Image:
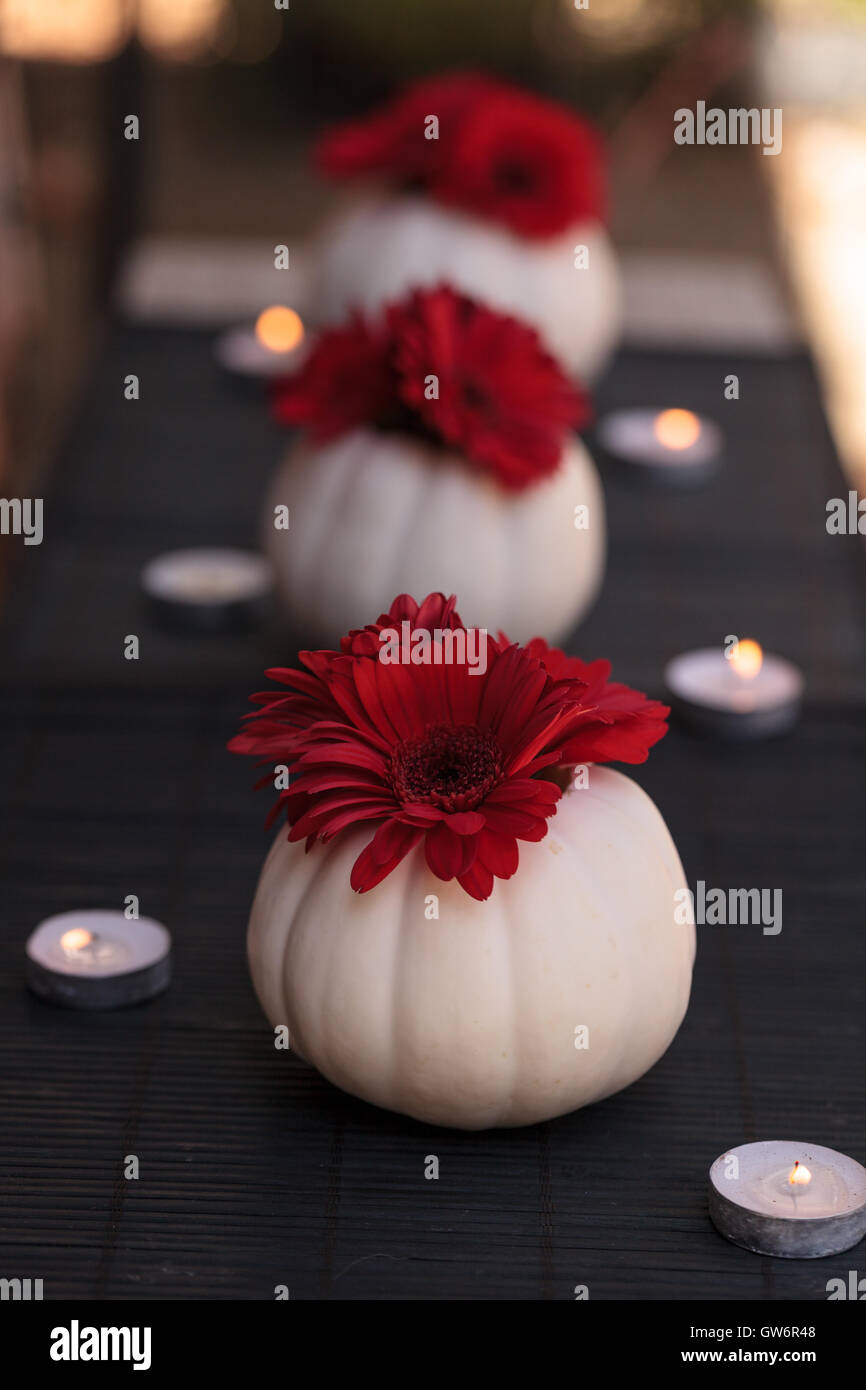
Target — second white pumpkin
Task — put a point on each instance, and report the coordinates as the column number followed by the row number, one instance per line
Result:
column 567, row 287
column 375, row 515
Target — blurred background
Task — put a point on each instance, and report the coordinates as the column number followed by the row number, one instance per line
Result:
column 180, row 225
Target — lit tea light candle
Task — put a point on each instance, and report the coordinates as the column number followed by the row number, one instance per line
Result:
column 98, row 960
column 668, row 446
column 209, row 590
column 778, row 1197
column 736, row 693
column 272, row 346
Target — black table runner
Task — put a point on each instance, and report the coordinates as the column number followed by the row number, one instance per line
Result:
column 114, row 780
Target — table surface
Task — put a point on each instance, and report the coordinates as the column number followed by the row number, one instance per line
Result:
column 114, row 780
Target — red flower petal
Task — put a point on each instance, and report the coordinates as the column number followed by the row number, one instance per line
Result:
column 501, row 153
column 433, row 753
column 345, row 382
column 477, row 881
column 502, row 401
column 498, row 853
column 391, row 843
column 393, row 139
column 501, row 398
column 528, row 163
column 444, row 851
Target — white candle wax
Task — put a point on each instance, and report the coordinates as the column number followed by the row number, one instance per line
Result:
column 206, row 588
column 272, row 346
column 735, row 697
column 668, row 445
column 98, row 959
column 788, row 1198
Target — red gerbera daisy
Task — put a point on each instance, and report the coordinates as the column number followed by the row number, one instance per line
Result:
column 500, row 398
column 394, row 139
column 446, row 754
column 624, row 723
column 436, row 612
column 499, row 152
column 527, row 163
column 346, row 381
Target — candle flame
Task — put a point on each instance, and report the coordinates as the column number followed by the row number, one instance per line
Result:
column 747, row 658
column 799, row 1175
column 279, row 329
column 76, row 939
column 677, row 429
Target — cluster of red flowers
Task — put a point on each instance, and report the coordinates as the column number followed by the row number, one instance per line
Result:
column 496, row 151
column 442, row 365
column 460, row 760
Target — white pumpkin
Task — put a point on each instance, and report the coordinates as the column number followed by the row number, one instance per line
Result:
column 375, row 515
column 470, row 1019
column 380, row 249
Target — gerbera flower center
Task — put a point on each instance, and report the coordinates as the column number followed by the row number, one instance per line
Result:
column 474, row 395
column 452, row 766
column 515, row 176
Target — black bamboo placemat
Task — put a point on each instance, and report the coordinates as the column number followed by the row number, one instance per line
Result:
column 114, row 780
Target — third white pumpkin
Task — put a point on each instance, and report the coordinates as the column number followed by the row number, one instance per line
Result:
column 375, row 515
column 469, row 1019
column 378, row 250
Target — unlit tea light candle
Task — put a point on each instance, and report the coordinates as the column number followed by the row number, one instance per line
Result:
column 666, row 446
column 270, row 347
column 209, row 590
column 738, row 694
column 782, row 1197
column 98, row 959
